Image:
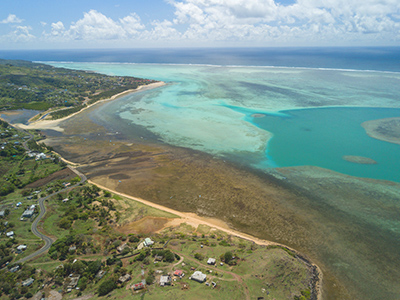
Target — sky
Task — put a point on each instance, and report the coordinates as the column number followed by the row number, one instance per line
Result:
column 80, row 24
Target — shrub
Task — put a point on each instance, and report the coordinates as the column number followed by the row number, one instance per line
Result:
column 106, row 287
column 198, row 256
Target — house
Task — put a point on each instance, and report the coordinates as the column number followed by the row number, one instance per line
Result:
column 73, row 282
column 10, row 234
column 122, row 247
column 40, row 156
column 28, row 282
column 100, row 274
column 198, row 276
column 211, row 261
column 28, row 213
column 2, row 213
column 165, row 280
column 14, row 269
column 139, row 286
column 148, row 242
column 158, row 258
column 179, row 273
column 21, row 247
column 124, row 278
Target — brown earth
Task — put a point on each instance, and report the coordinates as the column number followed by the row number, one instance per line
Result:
column 65, row 174
column 145, row 225
column 315, row 211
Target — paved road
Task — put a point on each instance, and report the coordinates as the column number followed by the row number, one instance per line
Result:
column 48, row 241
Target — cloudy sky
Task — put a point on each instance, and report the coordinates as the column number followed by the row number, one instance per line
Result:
column 55, row 24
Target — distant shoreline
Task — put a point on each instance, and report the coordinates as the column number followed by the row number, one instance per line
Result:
column 54, row 124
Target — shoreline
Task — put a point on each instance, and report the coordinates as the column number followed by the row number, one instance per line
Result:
column 54, row 124
column 387, row 130
column 194, row 219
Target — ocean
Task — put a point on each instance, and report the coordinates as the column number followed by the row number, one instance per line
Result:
column 272, row 109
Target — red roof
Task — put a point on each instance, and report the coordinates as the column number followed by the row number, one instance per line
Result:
column 138, row 286
column 178, row 273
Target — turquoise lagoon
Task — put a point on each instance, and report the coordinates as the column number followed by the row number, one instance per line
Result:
column 309, row 117
column 312, row 116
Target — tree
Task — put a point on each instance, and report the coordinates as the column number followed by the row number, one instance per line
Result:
column 106, row 287
column 228, row 257
column 169, row 256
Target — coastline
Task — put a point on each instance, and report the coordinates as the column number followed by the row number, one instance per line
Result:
column 387, row 130
column 190, row 218
column 54, row 124
column 195, row 220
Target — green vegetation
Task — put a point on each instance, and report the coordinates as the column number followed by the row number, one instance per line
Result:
column 98, row 251
column 41, row 87
column 19, row 168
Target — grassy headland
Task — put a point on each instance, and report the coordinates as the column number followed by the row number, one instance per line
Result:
column 60, row 91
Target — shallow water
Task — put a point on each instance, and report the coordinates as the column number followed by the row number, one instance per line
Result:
column 209, row 108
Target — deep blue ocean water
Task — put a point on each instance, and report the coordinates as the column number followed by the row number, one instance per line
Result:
column 368, row 58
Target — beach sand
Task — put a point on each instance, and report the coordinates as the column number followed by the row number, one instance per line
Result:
column 55, row 124
column 387, row 130
column 304, row 208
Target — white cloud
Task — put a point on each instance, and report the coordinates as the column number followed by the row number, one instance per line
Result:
column 132, row 24
column 255, row 20
column 11, row 19
column 57, row 29
column 20, row 34
column 95, row 26
column 244, row 22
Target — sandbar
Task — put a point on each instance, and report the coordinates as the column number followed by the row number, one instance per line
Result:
column 387, row 130
column 359, row 160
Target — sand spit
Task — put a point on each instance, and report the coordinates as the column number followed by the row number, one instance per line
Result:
column 387, row 130
column 55, row 124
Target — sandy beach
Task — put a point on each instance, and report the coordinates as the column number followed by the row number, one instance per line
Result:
column 387, row 130
column 54, row 124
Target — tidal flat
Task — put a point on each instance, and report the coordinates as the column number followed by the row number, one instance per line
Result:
column 348, row 226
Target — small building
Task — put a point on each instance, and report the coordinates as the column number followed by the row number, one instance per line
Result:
column 65, row 200
column 148, row 242
column 158, row 258
column 211, row 261
column 165, row 280
column 14, row 269
column 178, row 273
column 122, row 247
column 40, row 156
column 2, row 213
column 72, row 248
column 18, row 204
column 28, row 213
column 139, row 286
column 124, row 278
column 28, row 282
column 198, row 276
column 10, row 234
column 100, row 274
column 73, row 282
column 21, row 247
